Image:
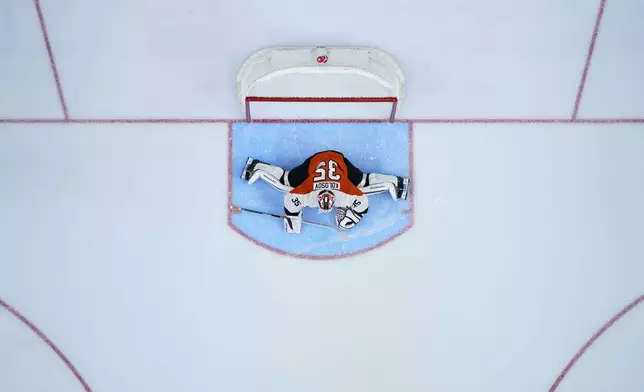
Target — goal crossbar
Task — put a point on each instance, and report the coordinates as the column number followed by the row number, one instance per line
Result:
column 392, row 100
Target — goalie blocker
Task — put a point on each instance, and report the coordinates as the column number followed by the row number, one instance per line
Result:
column 325, row 180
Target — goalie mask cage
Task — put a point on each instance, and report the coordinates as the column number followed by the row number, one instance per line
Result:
column 338, row 83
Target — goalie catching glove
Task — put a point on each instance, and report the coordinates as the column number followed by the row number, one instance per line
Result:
column 347, row 218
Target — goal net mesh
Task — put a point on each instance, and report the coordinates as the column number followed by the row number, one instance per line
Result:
column 320, row 83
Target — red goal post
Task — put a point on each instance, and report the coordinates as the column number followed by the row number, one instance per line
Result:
column 352, row 83
column 393, row 101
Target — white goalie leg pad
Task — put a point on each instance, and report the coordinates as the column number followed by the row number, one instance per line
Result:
column 379, row 183
column 373, row 189
column 270, row 179
column 273, row 170
column 292, row 224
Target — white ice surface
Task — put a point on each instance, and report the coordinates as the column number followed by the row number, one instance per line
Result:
column 616, row 81
column 527, row 238
column 27, row 87
column 501, row 58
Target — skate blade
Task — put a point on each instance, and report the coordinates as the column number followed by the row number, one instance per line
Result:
column 405, row 191
column 245, row 174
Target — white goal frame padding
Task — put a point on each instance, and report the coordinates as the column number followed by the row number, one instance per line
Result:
column 270, row 63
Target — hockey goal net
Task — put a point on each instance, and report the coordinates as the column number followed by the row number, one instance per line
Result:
column 320, row 83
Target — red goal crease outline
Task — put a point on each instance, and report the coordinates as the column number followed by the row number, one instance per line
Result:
column 67, row 119
column 409, row 212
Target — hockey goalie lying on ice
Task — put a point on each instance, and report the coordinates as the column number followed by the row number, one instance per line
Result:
column 327, row 179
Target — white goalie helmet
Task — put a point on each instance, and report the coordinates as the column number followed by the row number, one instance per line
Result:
column 326, row 201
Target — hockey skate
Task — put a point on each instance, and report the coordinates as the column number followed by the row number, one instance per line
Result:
column 403, row 188
column 248, row 168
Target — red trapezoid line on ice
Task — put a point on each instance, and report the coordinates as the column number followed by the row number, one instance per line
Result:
column 230, row 174
column 52, row 60
column 312, row 257
column 412, row 179
column 48, row 342
column 593, row 339
column 320, row 258
column 589, row 56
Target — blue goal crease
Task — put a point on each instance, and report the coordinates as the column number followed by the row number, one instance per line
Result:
column 372, row 147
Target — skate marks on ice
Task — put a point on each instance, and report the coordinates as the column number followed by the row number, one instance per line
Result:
column 373, row 147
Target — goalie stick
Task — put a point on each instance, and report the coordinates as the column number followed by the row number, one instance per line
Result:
column 322, row 225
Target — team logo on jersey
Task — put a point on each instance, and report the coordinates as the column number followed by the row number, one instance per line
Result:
column 326, row 185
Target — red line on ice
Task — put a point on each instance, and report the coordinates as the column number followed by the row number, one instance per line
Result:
column 307, row 121
column 48, row 342
column 52, row 61
column 230, row 174
column 591, row 50
column 593, row 339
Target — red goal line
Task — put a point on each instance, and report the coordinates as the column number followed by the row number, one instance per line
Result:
column 392, row 100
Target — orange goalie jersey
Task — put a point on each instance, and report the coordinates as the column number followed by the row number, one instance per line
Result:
column 325, row 180
column 327, row 170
